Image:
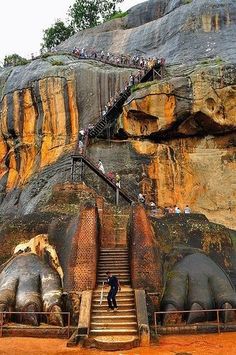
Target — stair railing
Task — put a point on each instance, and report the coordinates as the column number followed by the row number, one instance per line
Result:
column 85, row 161
column 116, row 109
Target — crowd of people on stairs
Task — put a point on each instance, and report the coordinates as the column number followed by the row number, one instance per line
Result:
column 135, row 60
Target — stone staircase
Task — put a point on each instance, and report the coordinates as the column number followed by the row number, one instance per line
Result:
column 118, row 329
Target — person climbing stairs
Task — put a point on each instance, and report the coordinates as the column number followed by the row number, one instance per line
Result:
column 109, row 119
column 120, row 324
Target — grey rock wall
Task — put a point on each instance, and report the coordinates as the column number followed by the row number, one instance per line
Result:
column 183, row 31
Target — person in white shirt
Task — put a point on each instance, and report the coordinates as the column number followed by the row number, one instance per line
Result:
column 101, row 167
column 177, row 210
column 187, row 209
column 141, row 198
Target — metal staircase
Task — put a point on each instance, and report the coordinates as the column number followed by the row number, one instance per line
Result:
column 109, row 119
column 77, row 171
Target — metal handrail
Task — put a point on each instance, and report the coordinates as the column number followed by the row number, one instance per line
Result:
column 116, row 108
column 216, row 310
column 2, row 319
column 101, row 175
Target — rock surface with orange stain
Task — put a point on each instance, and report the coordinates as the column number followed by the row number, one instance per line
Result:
column 190, row 123
column 199, row 172
column 198, row 102
column 43, row 104
column 187, row 119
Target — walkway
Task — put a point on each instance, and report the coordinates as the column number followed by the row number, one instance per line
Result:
column 210, row 344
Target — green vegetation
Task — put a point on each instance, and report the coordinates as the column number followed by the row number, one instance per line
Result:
column 82, row 14
column 14, row 60
column 90, row 13
column 143, row 85
column 209, row 61
column 56, row 34
column 205, row 61
column 57, row 62
column 185, row 2
column 118, row 14
column 218, row 60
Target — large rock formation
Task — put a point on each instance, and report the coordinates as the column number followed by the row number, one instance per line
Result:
column 42, row 106
column 181, row 31
column 181, row 145
column 174, row 142
column 192, row 117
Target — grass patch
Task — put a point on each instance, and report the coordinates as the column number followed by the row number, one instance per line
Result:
column 219, row 60
column 210, row 61
column 57, row 62
column 143, row 85
column 118, row 14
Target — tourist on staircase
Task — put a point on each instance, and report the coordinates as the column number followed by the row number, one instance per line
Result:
column 117, row 179
column 101, row 167
column 81, row 147
column 141, row 198
column 114, row 284
column 111, row 176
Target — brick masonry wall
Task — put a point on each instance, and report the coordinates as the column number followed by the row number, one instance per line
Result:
column 84, row 256
column 144, row 260
column 114, row 220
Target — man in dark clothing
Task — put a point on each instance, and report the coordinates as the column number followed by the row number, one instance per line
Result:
column 114, row 283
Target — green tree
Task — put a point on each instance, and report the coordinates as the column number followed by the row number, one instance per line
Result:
column 14, row 59
column 56, row 34
column 89, row 13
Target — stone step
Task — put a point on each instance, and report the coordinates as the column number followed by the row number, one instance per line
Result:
column 119, row 331
column 124, row 289
column 121, row 299
column 112, row 258
column 112, row 325
column 121, row 306
column 122, row 281
column 120, row 294
column 113, row 317
column 118, row 274
column 121, row 312
column 121, row 277
column 112, row 264
column 114, row 270
column 119, row 253
column 115, row 250
column 115, row 343
column 112, row 255
column 125, row 265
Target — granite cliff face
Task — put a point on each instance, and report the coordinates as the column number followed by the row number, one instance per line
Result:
column 175, row 140
column 199, row 102
column 42, row 106
column 178, row 30
column 192, row 117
